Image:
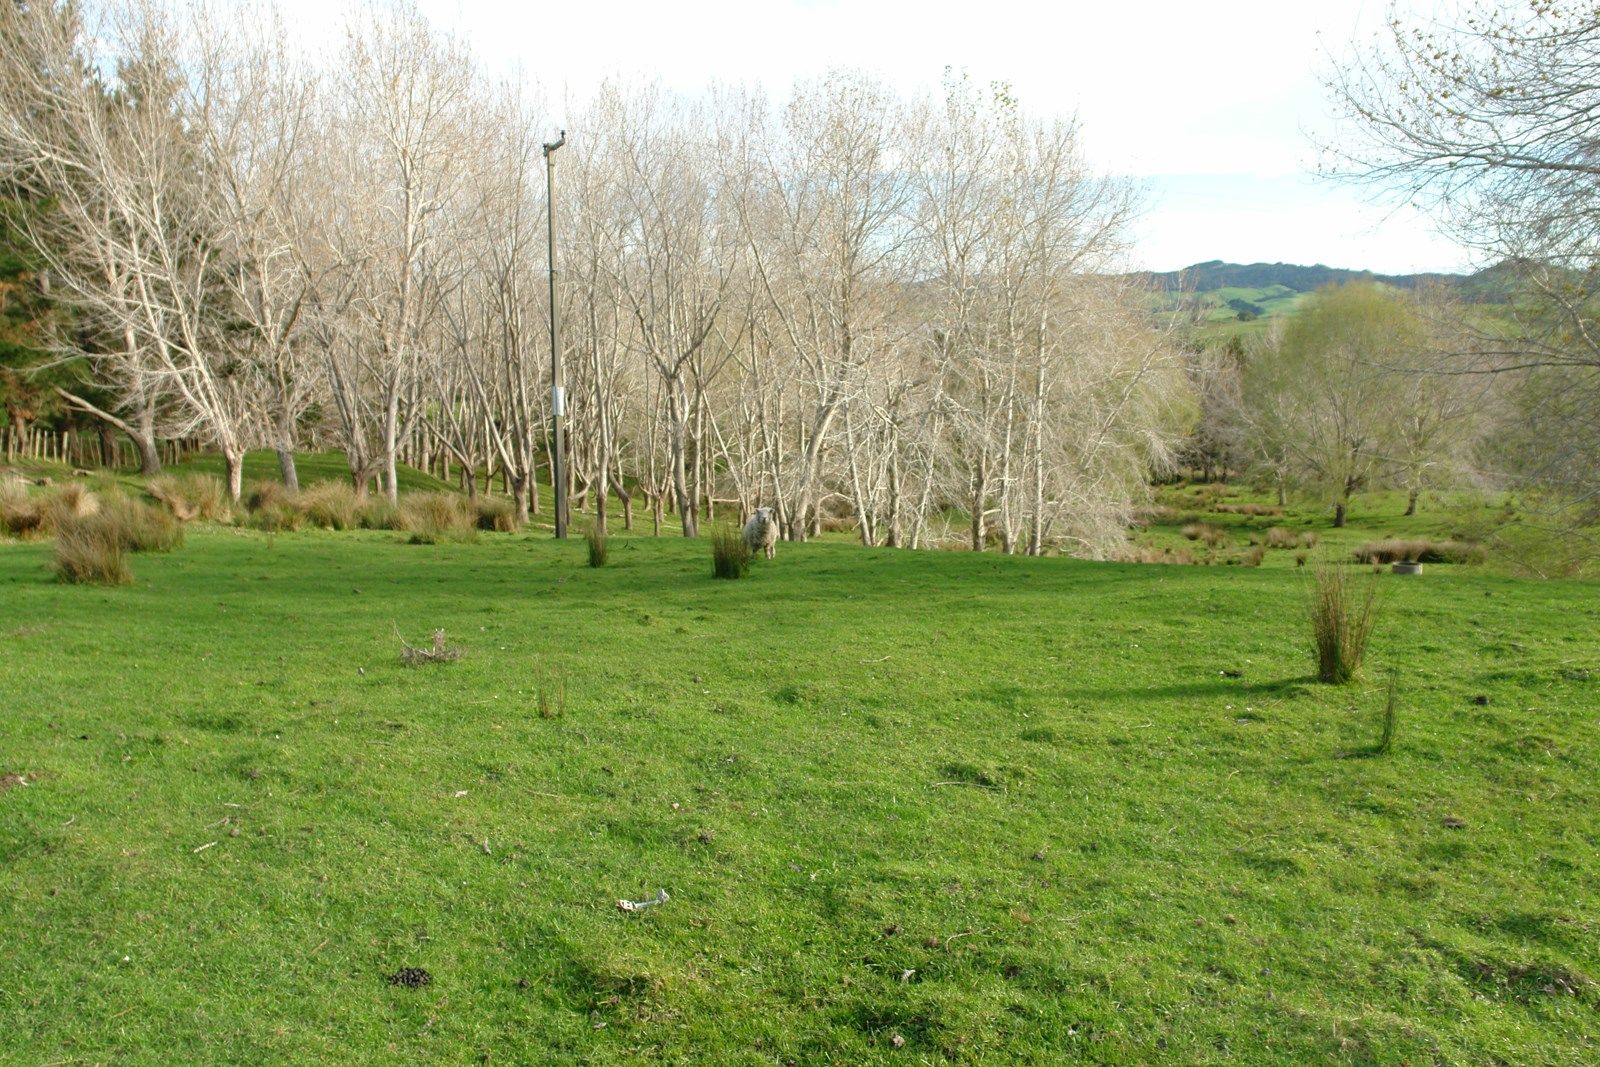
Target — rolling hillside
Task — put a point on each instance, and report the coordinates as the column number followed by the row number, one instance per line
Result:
column 1248, row 295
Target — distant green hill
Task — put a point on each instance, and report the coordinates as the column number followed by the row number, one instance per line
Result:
column 1230, row 297
column 1216, row 275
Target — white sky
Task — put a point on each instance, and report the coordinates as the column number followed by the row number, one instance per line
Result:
column 1209, row 106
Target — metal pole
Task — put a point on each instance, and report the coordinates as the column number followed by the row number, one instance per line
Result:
column 558, row 389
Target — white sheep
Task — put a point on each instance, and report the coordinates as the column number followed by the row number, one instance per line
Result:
column 761, row 532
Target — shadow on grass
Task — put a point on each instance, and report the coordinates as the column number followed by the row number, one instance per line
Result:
column 1283, row 687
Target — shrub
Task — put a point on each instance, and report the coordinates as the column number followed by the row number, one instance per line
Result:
column 730, row 556
column 90, row 551
column 192, row 496
column 599, row 552
column 496, row 513
column 330, row 506
column 432, row 518
column 1342, row 612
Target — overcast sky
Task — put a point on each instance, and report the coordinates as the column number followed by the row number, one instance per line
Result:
column 1211, row 107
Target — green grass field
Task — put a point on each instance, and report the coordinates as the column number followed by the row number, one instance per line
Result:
column 909, row 807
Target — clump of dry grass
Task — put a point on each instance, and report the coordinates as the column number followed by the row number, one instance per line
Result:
column 1151, row 554
column 599, row 551
column 69, row 503
column 263, row 496
column 1155, row 515
column 1280, row 537
column 377, row 513
column 1204, row 531
column 138, row 526
column 1342, row 611
column 496, row 513
column 21, row 513
column 192, row 496
column 730, row 555
column 438, row 652
column 1419, row 550
column 1265, row 510
column 433, row 518
column 1254, row 557
column 90, row 552
column 331, row 506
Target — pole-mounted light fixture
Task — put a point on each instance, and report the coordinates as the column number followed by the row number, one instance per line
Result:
column 558, row 389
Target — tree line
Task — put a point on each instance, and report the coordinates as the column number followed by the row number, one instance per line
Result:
column 840, row 304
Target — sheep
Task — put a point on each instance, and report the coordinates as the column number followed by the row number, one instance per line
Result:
column 761, row 532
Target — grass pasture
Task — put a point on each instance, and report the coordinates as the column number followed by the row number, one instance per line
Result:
column 909, row 807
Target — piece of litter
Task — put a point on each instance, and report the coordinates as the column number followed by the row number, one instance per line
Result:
column 203, row 847
column 639, row 905
column 461, row 792
column 905, row 975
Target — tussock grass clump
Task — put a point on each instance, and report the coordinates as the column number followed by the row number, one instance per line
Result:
column 377, row 513
column 1254, row 557
column 1263, row 510
column 1155, row 515
column 69, row 503
column 21, row 513
column 1419, row 550
column 280, row 517
column 439, row 652
column 1342, row 611
column 549, row 691
column 1204, row 531
column 599, row 551
column 89, row 551
column 434, row 518
column 1150, row 554
column 496, row 513
column 1390, row 706
column 137, row 526
column 264, row 495
column 330, row 506
column 1280, row 537
column 730, row 556
column 192, row 496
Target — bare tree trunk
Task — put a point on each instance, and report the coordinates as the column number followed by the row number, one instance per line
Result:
column 286, row 467
column 233, row 470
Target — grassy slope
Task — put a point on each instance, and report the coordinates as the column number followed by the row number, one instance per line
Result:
column 312, row 467
column 1007, row 809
